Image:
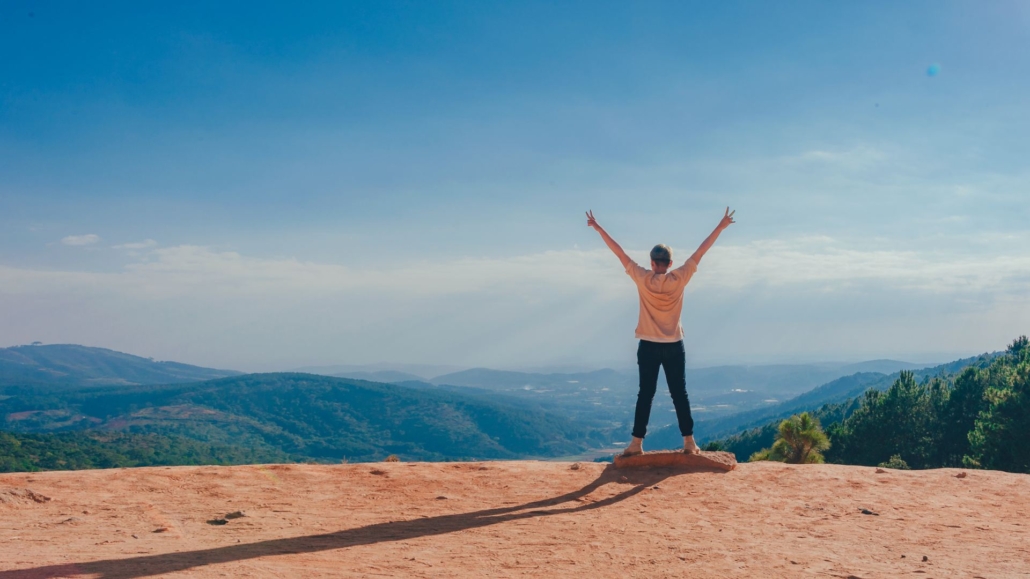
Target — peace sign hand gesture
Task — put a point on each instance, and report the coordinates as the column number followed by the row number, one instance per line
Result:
column 591, row 222
column 727, row 219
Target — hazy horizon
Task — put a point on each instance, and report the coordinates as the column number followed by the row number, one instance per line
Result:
column 435, row 370
column 259, row 188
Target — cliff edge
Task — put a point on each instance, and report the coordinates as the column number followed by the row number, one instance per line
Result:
column 513, row 519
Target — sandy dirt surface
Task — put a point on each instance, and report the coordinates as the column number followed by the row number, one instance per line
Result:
column 514, row 519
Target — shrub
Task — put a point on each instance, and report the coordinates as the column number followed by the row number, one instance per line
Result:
column 800, row 440
column 895, row 462
column 763, row 454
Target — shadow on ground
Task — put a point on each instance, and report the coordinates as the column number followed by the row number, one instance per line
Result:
column 151, row 565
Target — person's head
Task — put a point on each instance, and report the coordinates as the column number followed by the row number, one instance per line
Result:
column 661, row 258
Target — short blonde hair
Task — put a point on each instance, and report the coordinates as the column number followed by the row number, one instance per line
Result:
column 661, row 254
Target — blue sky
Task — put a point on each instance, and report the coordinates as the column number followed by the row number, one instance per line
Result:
column 263, row 186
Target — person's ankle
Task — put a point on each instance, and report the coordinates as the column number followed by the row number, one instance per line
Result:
column 689, row 444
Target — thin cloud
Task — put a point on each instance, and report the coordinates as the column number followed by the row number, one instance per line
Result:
column 80, row 240
column 860, row 157
column 826, row 263
column 775, row 298
column 146, row 243
column 818, row 263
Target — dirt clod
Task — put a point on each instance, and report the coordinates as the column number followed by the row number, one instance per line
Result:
column 14, row 496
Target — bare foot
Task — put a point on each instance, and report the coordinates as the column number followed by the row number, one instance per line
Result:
column 635, row 447
column 689, row 446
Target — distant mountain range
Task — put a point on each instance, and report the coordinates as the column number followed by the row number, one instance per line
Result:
column 69, row 365
column 787, row 378
column 385, row 376
column 834, row 392
column 414, row 371
column 378, row 410
column 304, row 416
column 606, row 397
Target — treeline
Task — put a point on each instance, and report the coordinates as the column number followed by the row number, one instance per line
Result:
column 93, row 449
column 281, row 417
column 745, row 444
column 980, row 418
column 977, row 419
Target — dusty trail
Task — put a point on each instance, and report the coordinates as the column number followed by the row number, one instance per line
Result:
column 513, row 519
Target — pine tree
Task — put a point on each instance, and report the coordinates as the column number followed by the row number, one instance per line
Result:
column 998, row 439
column 800, row 440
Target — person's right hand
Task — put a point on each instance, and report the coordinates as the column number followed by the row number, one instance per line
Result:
column 591, row 222
column 727, row 219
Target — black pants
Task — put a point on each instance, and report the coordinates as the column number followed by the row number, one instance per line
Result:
column 672, row 357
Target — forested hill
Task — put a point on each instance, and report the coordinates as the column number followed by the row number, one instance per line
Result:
column 835, row 392
column 80, row 450
column 306, row 417
column 70, row 365
column 976, row 417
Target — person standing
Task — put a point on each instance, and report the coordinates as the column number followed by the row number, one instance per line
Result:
column 660, row 331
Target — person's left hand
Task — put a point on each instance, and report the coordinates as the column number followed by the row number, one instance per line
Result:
column 727, row 219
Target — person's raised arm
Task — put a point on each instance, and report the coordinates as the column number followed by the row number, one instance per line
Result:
column 707, row 244
column 612, row 245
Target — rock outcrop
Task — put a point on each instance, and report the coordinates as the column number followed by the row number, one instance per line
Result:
column 508, row 519
column 704, row 460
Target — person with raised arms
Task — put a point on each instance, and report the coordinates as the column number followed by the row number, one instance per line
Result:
column 660, row 331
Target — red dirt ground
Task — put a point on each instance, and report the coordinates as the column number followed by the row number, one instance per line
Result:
column 514, row 519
